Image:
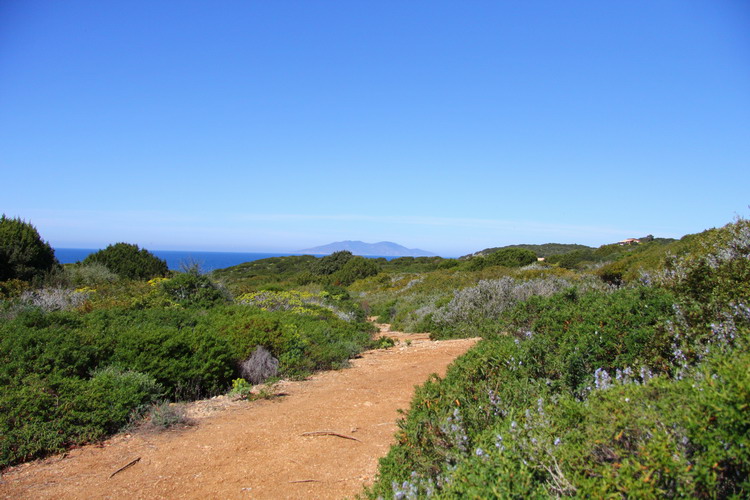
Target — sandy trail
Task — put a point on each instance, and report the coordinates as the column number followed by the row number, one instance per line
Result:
column 257, row 449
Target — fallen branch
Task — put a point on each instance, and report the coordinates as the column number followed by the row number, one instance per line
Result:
column 125, row 467
column 319, row 481
column 329, row 433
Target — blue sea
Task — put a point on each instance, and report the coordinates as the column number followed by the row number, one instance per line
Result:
column 207, row 260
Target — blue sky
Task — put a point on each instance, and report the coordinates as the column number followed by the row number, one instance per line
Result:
column 447, row 126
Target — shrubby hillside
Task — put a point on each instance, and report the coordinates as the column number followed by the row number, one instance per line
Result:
column 95, row 347
column 638, row 389
column 620, row 371
column 543, row 250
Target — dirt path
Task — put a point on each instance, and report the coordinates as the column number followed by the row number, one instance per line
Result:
column 256, row 449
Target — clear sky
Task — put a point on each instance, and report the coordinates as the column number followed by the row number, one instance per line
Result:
column 448, row 126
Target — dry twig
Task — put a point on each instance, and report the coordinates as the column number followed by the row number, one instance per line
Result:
column 125, row 467
column 329, row 433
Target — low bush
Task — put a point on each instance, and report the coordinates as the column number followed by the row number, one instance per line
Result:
column 241, row 388
column 12, row 288
column 506, row 257
column 511, row 257
column 42, row 413
column 89, row 275
column 474, row 307
column 384, row 342
column 129, row 261
column 54, row 299
column 193, row 290
column 164, row 415
column 260, row 366
column 641, row 392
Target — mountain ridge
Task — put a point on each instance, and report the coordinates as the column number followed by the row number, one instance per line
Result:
column 379, row 249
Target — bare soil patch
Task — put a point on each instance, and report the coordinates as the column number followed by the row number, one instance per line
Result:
column 320, row 438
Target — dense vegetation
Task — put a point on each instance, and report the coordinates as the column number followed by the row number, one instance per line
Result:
column 339, row 268
column 544, row 250
column 96, row 346
column 620, row 371
column 640, row 390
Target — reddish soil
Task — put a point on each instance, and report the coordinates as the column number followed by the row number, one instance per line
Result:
column 258, row 449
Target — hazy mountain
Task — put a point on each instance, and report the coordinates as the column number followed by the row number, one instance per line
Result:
column 382, row 249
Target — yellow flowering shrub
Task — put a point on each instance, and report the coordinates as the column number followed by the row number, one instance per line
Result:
column 295, row 301
column 157, row 281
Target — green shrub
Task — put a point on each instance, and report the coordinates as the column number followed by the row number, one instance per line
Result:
column 384, row 342
column 45, row 344
column 385, row 311
column 30, row 423
column 506, row 257
column 642, row 392
column 193, row 290
column 511, row 257
column 355, row 268
column 448, row 264
column 129, row 261
column 90, row 275
column 12, row 288
column 42, row 414
column 571, row 260
column 716, row 279
column 654, row 439
column 167, row 344
column 286, row 272
column 23, row 253
column 475, row 310
column 331, row 263
column 164, row 415
column 302, row 343
column 241, row 388
column 108, row 400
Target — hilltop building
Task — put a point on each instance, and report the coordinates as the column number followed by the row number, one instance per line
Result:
column 629, row 241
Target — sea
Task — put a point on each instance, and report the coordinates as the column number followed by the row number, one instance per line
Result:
column 208, row 261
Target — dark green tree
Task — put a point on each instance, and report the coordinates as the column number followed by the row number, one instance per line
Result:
column 129, row 261
column 354, row 269
column 332, row 263
column 23, row 253
column 511, row 257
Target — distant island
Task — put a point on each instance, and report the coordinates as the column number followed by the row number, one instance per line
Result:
column 381, row 249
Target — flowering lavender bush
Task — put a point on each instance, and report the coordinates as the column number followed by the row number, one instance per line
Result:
column 642, row 392
column 474, row 307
